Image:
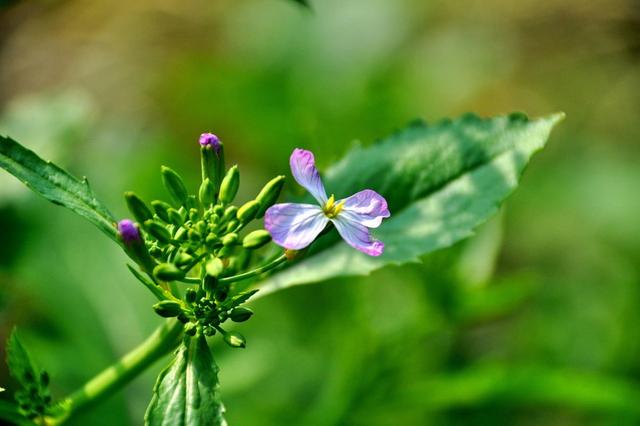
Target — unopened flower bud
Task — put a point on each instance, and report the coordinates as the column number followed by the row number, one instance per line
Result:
column 190, row 295
column 235, row 340
column 211, row 239
column 137, row 207
column 229, row 186
column 162, row 210
column 183, row 259
column 240, row 314
column 256, row 239
column 221, row 292
column 248, row 211
column 212, row 158
column 269, row 194
column 230, row 212
column 214, row 267
column 210, row 140
column 207, row 192
column 129, row 232
column 175, row 217
column 218, row 210
column 230, row 239
column 209, row 284
column 194, row 235
column 175, row 186
column 134, row 244
column 158, row 231
column 190, row 329
column 168, row 272
column 231, row 226
column 168, row 308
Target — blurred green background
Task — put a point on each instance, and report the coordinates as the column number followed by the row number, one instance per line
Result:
column 534, row 321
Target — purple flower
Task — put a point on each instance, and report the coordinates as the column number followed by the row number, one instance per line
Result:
column 295, row 226
column 209, row 139
column 128, row 231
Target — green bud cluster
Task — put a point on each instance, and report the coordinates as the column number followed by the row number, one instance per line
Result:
column 198, row 239
column 34, row 399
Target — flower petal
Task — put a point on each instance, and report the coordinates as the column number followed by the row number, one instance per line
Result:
column 358, row 236
column 303, row 168
column 294, row 226
column 366, row 207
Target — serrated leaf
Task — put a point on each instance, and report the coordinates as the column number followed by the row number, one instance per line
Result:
column 20, row 364
column 441, row 182
column 239, row 299
column 187, row 391
column 55, row 184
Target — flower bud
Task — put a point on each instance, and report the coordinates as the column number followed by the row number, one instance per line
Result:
column 129, row 232
column 190, row 329
column 137, row 207
column 209, row 284
column 190, row 295
column 269, row 194
column 168, row 308
column 221, row 292
column 207, row 192
column 214, row 267
column 211, row 158
column 248, row 211
column 211, row 239
column 168, row 272
column 229, row 185
column 134, row 244
column 240, row 314
column 230, row 239
column 175, row 186
column 230, row 212
column 162, row 210
column 256, row 239
column 175, row 217
column 157, row 231
column 231, row 226
column 183, row 259
column 235, row 340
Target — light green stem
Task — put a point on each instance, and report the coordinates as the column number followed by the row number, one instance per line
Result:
column 258, row 271
column 163, row 340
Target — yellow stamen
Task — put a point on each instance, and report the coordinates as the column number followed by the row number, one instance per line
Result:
column 331, row 209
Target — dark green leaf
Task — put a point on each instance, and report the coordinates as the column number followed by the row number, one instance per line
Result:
column 525, row 386
column 440, row 181
column 10, row 413
column 20, row 364
column 55, row 184
column 186, row 392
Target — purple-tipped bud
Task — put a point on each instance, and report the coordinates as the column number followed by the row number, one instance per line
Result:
column 128, row 231
column 209, row 139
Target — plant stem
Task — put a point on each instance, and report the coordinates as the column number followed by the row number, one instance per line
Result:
column 163, row 340
column 258, row 271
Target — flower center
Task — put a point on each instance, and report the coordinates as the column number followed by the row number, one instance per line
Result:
column 331, row 209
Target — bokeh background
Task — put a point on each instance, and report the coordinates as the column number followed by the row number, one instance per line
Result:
column 534, row 321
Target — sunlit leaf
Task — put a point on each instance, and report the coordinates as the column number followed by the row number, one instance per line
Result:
column 186, row 392
column 55, row 184
column 441, row 183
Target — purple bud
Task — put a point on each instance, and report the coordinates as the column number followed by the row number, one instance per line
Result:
column 128, row 231
column 209, row 139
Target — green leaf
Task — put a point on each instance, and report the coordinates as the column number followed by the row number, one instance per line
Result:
column 441, row 182
column 524, row 385
column 187, row 391
column 55, row 184
column 11, row 413
column 20, row 364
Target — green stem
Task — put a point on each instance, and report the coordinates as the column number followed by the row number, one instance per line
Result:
column 258, row 271
column 163, row 340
